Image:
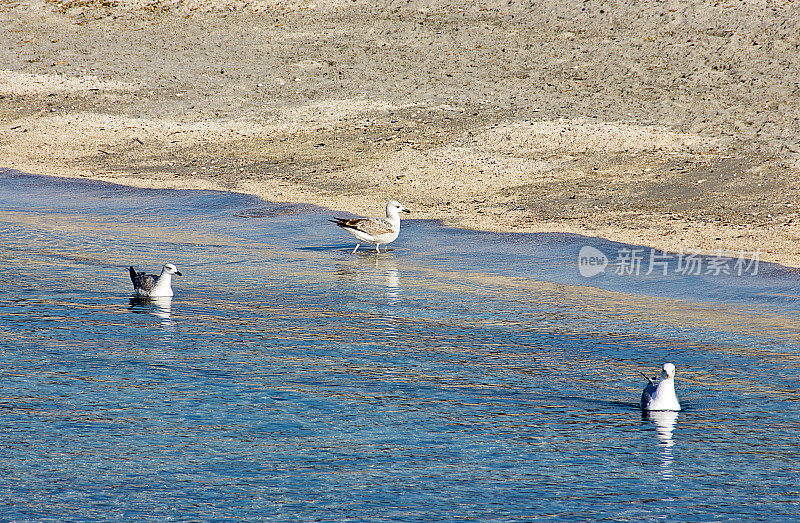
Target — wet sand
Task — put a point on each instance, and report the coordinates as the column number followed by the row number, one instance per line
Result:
column 667, row 124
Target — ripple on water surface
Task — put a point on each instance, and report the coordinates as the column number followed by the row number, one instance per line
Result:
column 461, row 375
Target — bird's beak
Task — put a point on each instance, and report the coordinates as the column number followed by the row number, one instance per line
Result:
column 407, row 211
column 178, row 273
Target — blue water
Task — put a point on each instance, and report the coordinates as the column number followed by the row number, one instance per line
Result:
column 459, row 376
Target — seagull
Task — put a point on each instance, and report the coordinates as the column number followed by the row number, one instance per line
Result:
column 659, row 394
column 379, row 231
column 149, row 285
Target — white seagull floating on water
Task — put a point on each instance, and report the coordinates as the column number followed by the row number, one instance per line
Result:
column 659, row 394
column 153, row 286
column 379, row 231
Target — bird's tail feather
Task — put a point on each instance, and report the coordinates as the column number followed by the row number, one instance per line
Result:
column 341, row 222
column 652, row 381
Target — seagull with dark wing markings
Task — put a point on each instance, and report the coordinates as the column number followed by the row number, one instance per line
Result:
column 149, row 285
column 379, row 231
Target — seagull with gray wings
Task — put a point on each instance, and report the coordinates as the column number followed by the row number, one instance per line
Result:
column 379, row 231
column 659, row 393
column 149, row 285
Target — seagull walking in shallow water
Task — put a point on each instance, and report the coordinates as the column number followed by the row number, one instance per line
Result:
column 379, row 231
column 153, row 286
column 659, row 394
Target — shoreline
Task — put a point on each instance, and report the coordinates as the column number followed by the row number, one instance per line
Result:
column 632, row 237
column 673, row 136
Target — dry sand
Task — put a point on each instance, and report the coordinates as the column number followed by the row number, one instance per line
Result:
column 661, row 123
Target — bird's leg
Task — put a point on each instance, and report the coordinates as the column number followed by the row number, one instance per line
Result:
column 378, row 248
column 357, row 246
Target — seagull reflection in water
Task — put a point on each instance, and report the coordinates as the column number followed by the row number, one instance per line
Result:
column 372, row 269
column 664, row 421
column 377, row 271
column 160, row 307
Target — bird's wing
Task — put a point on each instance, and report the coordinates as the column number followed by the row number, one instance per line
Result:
column 142, row 280
column 647, row 393
column 371, row 226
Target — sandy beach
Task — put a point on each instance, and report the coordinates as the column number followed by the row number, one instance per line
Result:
column 660, row 123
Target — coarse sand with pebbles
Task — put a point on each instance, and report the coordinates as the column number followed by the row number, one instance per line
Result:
column 660, row 123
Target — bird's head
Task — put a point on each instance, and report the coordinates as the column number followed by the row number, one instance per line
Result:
column 171, row 269
column 395, row 206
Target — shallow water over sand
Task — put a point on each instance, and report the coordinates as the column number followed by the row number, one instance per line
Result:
column 461, row 375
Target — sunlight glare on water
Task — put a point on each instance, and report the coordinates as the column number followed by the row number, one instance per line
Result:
column 461, row 375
